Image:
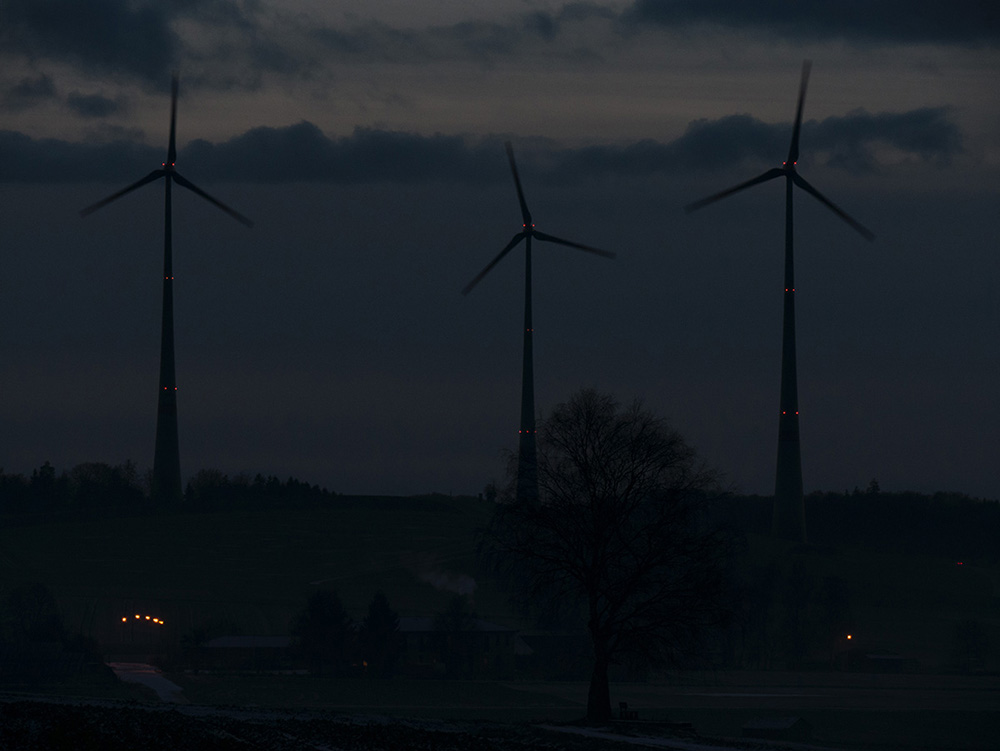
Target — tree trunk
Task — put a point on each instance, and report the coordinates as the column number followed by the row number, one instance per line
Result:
column 599, row 696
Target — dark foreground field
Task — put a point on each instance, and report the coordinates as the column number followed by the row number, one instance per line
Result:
column 108, row 726
column 847, row 711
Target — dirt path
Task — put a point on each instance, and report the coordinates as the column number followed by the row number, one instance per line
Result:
column 151, row 677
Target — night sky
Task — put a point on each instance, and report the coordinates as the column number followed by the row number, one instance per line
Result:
column 331, row 341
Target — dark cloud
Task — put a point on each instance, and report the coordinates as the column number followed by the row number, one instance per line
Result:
column 233, row 43
column 48, row 160
column 585, row 12
column 378, row 42
column 850, row 142
column 116, row 36
column 304, row 153
column 92, row 105
column 542, row 24
column 375, row 41
column 961, row 21
column 29, row 92
column 132, row 38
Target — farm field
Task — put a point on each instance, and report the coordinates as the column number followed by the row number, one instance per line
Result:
column 861, row 712
column 844, row 710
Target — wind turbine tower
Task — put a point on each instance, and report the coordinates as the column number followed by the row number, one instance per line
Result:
column 527, row 457
column 166, row 455
column 788, row 518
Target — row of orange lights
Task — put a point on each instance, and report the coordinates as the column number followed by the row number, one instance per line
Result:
column 149, row 618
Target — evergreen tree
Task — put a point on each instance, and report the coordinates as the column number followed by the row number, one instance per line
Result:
column 381, row 643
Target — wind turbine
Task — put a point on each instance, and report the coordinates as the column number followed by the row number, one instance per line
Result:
column 788, row 517
column 166, row 455
column 527, row 462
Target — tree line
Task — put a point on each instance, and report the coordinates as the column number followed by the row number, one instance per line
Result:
column 946, row 524
column 99, row 488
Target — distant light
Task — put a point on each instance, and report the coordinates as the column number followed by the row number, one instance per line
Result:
column 147, row 617
column 124, row 619
column 849, row 637
column 137, row 616
column 959, row 563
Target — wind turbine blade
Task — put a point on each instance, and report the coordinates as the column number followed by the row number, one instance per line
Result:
column 801, row 182
column 172, row 148
column 479, row 277
column 793, row 149
column 154, row 175
column 195, row 189
column 525, row 214
column 769, row 175
column 571, row 244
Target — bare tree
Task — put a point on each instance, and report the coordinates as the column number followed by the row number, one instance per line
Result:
column 618, row 530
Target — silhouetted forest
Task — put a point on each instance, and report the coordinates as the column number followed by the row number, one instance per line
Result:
column 948, row 524
column 98, row 489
